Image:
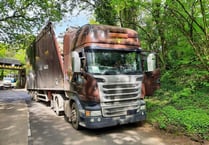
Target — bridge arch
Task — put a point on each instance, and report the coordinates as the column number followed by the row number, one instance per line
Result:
column 14, row 64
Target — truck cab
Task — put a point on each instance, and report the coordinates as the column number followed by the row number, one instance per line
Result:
column 106, row 77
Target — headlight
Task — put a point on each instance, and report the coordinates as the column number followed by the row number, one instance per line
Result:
column 143, row 107
column 93, row 113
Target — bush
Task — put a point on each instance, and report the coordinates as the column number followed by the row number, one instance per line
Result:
column 181, row 104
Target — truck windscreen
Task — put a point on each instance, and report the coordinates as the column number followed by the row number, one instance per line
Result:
column 106, row 62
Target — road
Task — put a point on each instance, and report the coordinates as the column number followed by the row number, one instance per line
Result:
column 47, row 128
column 14, row 117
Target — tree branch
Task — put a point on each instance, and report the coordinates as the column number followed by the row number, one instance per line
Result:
column 15, row 14
column 204, row 19
column 88, row 2
column 191, row 17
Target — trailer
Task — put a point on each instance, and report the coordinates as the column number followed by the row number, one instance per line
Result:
column 97, row 79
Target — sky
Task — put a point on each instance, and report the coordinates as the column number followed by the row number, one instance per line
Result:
column 75, row 20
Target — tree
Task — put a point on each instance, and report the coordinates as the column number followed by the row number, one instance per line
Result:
column 164, row 26
column 105, row 12
column 3, row 48
column 191, row 18
column 25, row 16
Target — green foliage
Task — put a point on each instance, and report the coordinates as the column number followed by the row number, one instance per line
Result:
column 25, row 16
column 16, row 50
column 191, row 119
column 174, row 29
column 20, row 55
column 3, row 48
column 92, row 20
column 105, row 13
column 181, row 105
column 30, row 51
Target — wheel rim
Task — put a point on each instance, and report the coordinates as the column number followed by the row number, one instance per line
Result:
column 51, row 104
column 74, row 116
column 56, row 107
column 36, row 97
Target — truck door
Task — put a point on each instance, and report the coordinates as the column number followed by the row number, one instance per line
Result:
column 151, row 80
column 77, row 84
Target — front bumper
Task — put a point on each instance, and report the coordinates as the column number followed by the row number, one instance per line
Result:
column 7, row 85
column 101, row 122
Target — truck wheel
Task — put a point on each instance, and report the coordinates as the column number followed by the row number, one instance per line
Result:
column 67, row 118
column 56, row 107
column 51, row 104
column 75, row 116
column 35, row 97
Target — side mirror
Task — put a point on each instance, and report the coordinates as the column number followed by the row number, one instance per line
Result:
column 76, row 62
column 151, row 62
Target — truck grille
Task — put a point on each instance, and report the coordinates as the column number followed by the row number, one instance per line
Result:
column 117, row 99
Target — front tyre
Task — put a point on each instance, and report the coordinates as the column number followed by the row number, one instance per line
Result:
column 75, row 119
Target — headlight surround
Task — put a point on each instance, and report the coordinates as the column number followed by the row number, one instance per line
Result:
column 92, row 113
column 143, row 107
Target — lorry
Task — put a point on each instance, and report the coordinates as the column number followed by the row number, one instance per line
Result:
column 96, row 80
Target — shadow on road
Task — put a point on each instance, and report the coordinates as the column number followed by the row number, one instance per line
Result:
column 47, row 128
column 11, row 95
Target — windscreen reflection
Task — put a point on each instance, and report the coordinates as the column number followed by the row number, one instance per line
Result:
column 105, row 62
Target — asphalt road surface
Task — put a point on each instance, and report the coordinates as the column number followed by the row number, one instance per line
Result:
column 14, row 117
column 13, row 95
column 48, row 129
